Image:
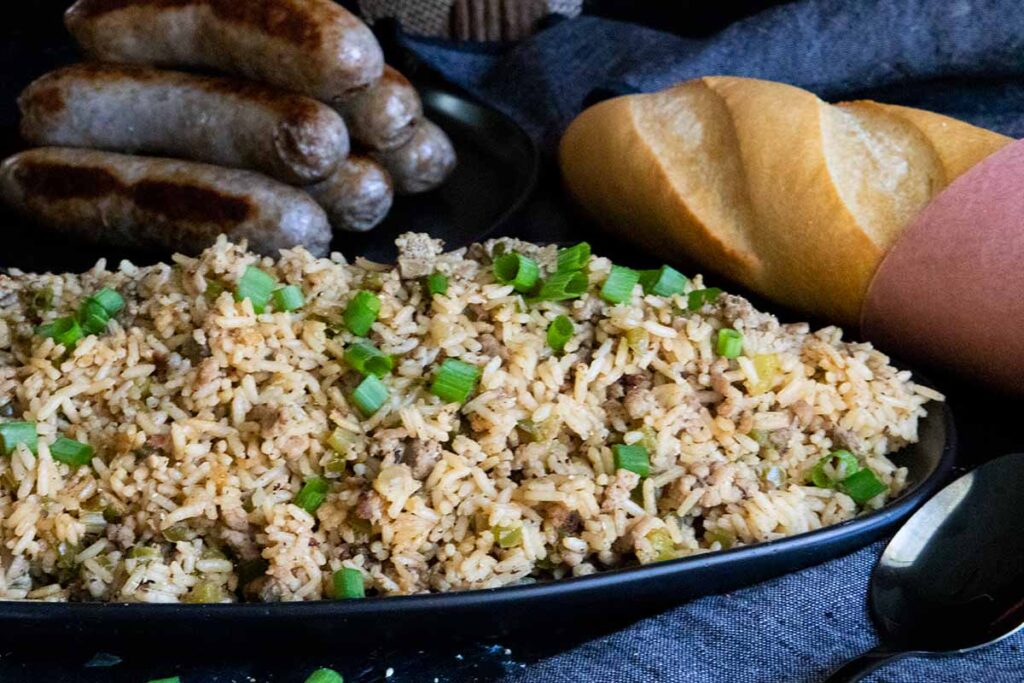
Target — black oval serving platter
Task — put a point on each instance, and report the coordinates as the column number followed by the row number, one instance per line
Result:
column 509, row 614
column 497, row 171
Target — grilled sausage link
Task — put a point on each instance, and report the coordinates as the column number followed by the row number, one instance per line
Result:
column 384, row 115
column 421, row 164
column 151, row 203
column 314, row 47
column 357, row 196
column 223, row 121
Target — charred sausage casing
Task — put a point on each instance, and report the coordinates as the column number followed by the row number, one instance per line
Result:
column 422, row 163
column 357, row 197
column 223, row 121
column 315, row 47
column 151, row 203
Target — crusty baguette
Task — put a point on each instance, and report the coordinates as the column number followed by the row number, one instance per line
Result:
column 765, row 183
column 959, row 145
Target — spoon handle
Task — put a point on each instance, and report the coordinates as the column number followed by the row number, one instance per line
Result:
column 859, row 667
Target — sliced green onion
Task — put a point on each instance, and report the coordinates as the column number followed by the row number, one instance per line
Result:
column 288, row 298
column 312, row 494
column 637, row 495
column 507, row 536
column 42, row 299
column 437, row 283
column 573, row 258
column 862, row 486
column 142, row 552
column 362, row 527
column 530, row 433
column 723, row 538
column 65, row 331
column 517, row 270
column 361, row 313
column 348, row 583
column 213, row 290
column 664, row 281
column 178, row 532
column 368, row 359
column 341, row 440
column 256, row 286
column 172, row 679
column 71, row 452
column 204, row 593
column 662, row 544
column 325, row 676
column 93, row 317
column 336, row 465
column 370, row 395
column 842, row 462
column 619, row 285
column 560, row 331
column 13, row 433
column 648, row 278
column 730, row 343
column 455, row 381
column 562, row 286
column 637, row 339
column 111, row 301
column 698, row 297
column 633, row 458
column 211, row 552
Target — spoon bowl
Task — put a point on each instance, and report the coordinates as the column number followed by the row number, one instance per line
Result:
column 952, row 579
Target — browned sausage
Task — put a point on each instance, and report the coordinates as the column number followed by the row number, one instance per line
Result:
column 314, row 47
column 357, row 196
column 159, row 203
column 222, row 121
column 384, row 115
column 421, row 164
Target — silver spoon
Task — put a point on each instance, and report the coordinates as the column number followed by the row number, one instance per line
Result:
column 952, row 579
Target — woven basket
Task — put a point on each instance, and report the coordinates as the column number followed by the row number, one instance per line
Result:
column 478, row 20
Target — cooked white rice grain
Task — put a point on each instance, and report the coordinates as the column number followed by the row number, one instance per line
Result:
column 207, row 419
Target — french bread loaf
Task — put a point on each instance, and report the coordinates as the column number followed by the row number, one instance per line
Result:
column 765, row 183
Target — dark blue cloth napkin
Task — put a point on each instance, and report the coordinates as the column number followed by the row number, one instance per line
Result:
column 964, row 58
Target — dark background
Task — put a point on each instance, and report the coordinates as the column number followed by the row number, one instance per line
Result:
column 34, row 43
column 685, row 17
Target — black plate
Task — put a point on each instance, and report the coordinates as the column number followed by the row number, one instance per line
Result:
column 510, row 614
column 498, row 165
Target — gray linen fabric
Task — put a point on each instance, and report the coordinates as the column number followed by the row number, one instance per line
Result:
column 792, row 629
column 961, row 57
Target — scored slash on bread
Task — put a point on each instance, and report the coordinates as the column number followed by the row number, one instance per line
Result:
column 765, row 183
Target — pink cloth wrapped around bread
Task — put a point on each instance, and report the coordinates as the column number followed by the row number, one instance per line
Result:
column 950, row 293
